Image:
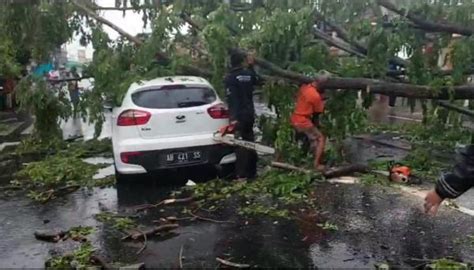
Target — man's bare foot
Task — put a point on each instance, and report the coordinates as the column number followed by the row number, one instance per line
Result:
column 320, row 168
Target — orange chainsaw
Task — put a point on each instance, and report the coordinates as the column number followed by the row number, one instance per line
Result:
column 400, row 173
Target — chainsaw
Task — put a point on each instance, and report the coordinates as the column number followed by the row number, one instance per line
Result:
column 400, row 173
column 225, row 135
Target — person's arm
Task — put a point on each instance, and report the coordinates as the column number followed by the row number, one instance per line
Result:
column 257, row 80
column 454, row 184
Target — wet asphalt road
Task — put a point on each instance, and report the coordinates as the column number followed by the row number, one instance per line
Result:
column 375, row 224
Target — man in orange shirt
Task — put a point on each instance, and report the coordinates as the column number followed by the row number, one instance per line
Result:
column 310, row 104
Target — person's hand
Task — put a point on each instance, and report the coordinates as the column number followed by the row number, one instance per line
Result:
column 432, row 203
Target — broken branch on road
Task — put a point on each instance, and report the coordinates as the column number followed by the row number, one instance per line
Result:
column 145, row 242
column 162, row 203
column 209, row 219
column 50, row 236
column 232, row 264
column 151, row 232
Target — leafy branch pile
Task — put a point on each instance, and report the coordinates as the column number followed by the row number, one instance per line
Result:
column 272, row 194
column 62, row 172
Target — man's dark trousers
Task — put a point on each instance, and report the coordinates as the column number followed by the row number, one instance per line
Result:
column 246, row 164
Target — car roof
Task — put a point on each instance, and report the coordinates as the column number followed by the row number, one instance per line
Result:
column 172, row 80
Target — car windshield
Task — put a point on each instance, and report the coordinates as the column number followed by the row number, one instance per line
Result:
column 184, row 97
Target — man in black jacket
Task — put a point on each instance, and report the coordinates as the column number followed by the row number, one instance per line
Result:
column 239, row 85
column 454, row 184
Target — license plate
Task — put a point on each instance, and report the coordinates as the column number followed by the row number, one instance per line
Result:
column 184, row 157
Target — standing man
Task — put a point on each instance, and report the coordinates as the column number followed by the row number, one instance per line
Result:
column 309, row 105
column 239, row 85
column 454, row 184
column 73, row 88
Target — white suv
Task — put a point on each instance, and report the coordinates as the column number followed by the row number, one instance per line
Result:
column 168, row 123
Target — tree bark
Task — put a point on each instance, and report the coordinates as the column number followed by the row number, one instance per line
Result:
column 425, row 24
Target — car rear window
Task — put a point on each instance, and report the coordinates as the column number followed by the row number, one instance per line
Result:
column 184, row 97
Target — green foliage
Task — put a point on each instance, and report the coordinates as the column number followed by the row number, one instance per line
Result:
column 373, row 179
column 62, row 168
column 447, row 264
column 282, row 35
column 256, row 209
column 117, row 222
column 49, row 104
column 58, row 170
column 35, row 29
column 270, row 195
column 328, row 226
column 80, row 232
column 79, row 259
column 218, row 39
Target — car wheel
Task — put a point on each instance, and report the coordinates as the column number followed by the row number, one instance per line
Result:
column 226, row 171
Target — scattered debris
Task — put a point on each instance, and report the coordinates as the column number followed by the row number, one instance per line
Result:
column 50, row 236
column 151, row 232
column 328, row 226
column 330, row 173
column 138, row 266
column 76, row 234
column 208, row 219
column 118, row 222
column 145, row 242
column 232, row 264
column 181, row 258
column 144, row 207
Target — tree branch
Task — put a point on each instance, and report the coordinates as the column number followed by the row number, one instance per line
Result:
column 342, row 34
column 321, row 35
column 425, row 24
column 119, row 30
column 452, row 107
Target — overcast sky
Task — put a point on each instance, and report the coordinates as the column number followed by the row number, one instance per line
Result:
column 131, row 23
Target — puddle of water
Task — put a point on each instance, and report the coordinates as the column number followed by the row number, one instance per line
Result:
column 102, row 173
column 338, row 256
column 20, row 249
